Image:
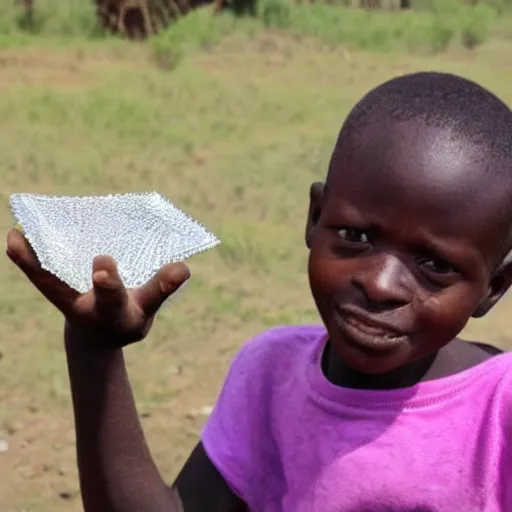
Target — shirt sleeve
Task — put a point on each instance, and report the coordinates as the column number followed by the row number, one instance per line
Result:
column 236, row 436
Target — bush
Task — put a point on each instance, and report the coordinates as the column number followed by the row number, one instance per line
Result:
column 198, row 29
column 476, row 25
column 53, row 17
column 168, row 52
column 275, row 13
column 441, row 34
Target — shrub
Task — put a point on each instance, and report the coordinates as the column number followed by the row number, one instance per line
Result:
column 476, row 25
column 442, row 33
column 275, row 13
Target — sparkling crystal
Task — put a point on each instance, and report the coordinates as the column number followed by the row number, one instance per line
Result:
column 141, row 232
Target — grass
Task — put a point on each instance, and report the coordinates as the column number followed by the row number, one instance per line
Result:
column 234, row 135
column 427, row 31
column 432, row 27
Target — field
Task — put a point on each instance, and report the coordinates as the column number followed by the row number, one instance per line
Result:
column 234, row 135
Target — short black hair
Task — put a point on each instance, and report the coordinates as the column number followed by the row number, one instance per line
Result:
column 441, row 100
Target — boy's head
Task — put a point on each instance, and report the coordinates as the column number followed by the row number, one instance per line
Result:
column 410, row 235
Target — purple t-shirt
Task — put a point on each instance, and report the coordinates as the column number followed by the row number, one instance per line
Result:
column 287, row 440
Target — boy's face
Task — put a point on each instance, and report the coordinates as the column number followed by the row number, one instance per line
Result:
column 404, row 243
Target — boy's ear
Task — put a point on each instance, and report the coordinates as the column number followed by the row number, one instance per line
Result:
column 499, row 285
column 316, row 194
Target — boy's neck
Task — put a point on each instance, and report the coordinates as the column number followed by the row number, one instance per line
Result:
column 455, row 357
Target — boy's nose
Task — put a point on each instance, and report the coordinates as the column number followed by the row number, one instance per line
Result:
column 384, row 280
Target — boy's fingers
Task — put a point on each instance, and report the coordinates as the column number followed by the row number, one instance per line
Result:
column 166, row 281
column 22, row 254
column 109, row 290
column 110, row 293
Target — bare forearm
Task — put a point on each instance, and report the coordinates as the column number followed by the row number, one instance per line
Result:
column 117, row 473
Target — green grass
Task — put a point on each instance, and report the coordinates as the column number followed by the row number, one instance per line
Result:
column 427, row 31
column 433, row 28
column 234, row 135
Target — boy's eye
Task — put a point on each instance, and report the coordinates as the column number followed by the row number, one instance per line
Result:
column 438, row 268
column 354, row 236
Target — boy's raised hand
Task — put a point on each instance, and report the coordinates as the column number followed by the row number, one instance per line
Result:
column 109, row 315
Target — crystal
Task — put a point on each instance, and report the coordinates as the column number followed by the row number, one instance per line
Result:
column 141, row 231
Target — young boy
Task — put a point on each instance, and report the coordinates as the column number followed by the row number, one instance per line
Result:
column 381, row 408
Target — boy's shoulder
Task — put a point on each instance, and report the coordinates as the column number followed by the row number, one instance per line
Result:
column 278, row 346
column 281, row 339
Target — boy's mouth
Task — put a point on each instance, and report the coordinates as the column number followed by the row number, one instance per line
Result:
column 368, row 332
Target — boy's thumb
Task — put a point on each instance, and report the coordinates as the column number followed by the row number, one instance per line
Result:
column 163, row 284
column 109, row 289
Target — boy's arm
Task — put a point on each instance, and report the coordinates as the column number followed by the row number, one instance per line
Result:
column 117, row 473
column 116, row 470
column 202, row 488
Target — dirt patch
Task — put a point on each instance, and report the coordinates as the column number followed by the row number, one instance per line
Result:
column 42, row 69
column 38, row 453
column 63, row 69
